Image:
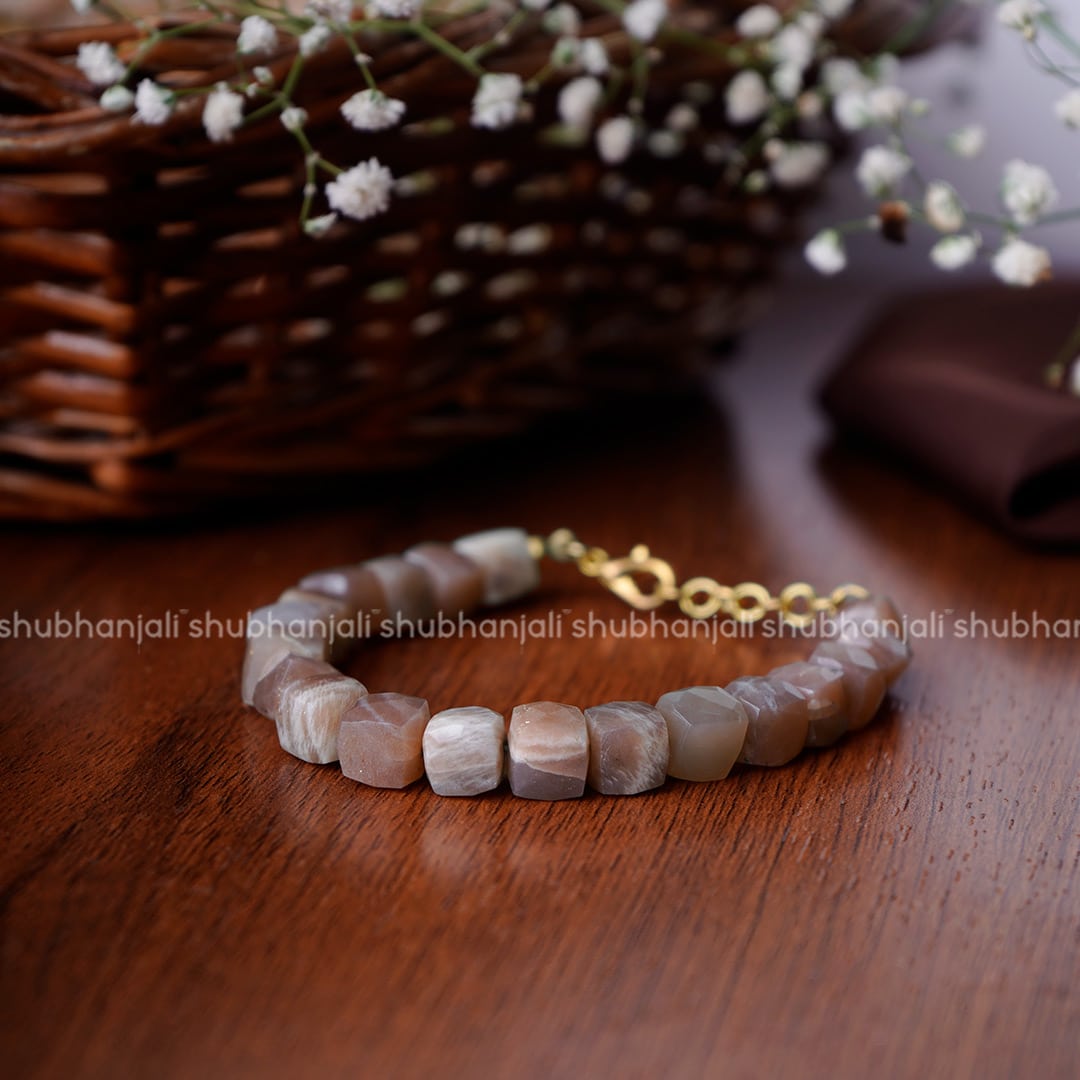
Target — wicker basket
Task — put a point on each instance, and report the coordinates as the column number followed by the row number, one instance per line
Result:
column 169, row 337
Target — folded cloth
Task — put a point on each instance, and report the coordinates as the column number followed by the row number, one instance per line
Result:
column 955, row 382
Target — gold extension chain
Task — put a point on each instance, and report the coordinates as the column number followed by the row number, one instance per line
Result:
column 699, row 597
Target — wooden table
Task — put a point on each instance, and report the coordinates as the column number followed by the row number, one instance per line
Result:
column 181, row 898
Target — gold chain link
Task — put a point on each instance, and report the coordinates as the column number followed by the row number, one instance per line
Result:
column 697, row 597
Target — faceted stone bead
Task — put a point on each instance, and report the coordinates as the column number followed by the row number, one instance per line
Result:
column 457, row 583
column 628, row 747
column 381, row 740
column 275, row 631
column 706, row 729
column 503, row 555
column 864, row 681
column 407, row 589
column 357, row 586
column 463, row 750
column 861, row 624
column 549, row 751
column 335, row 612
column 779, row 719
column 306, row 699
column 291, row 669
column 827, row 701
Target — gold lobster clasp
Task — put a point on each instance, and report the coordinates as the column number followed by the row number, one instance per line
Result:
column 620, row 576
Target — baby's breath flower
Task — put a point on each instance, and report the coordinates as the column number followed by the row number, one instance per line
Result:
column 810, row 105
column 682, row 117
column 362, row 191
column 954, row 252
column 942, row 207
column 320, row 226
column 82, row 6
column 839, row 73
column 968, row 142
column 756, row 181
column 257, row 35
column 372, row 110
column 223, row 113
column 787, row 81
column 495, row 104
column 615, row 139
column 99, row 63
column 395, row 9
column 665, row 144
column 263, row 75
column 812, row 22
column 643, row 18
column 759, row 21
column 887, row 104
column 747, row 97
column 1067, row 109
column 1019, row 263
column 566, row 52
column 117, row 99
column 794, row 45
column 1074, row 377
column 1027, row 191
column 578, row 101
column 563, row 21
column 834, row 9
column 851, row 110
column 796, row 164
column 315, row 39
column 880, row 170
column 1021, row 15
column 594, row 56
column 336, row 11
column 826, row 252
column 153, row 103
column 293, row 118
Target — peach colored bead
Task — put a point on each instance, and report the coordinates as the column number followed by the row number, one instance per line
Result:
column 381, row 740
column 826, row 698
column 706, row 730
column 456, row 581
column 864, row 681
column 408, row 591
column 503, row 556
column 307, row 699
column 549, row 751
column 628, row 747
column 779, row 718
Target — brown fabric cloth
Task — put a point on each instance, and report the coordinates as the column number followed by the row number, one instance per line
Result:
column 954, row 382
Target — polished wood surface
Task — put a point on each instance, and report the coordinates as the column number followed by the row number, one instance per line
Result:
column 180, row 898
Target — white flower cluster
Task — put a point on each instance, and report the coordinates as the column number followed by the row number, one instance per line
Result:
column 865, row 96
column 791, row 86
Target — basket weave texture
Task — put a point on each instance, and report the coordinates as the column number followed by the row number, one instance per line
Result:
column 168, row 336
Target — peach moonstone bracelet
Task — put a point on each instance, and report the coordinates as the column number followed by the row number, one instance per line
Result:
column 550, row 750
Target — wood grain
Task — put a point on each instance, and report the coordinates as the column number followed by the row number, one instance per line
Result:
column 181, row 898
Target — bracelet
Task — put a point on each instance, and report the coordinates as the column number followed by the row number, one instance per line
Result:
column 550, row 749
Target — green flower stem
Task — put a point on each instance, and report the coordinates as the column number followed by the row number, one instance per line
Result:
column 1060, row 217
column 639, row 68
column 508, row 29
column 289, row 85
column 357, row 54
column 447, row 48
column 1050, row 24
